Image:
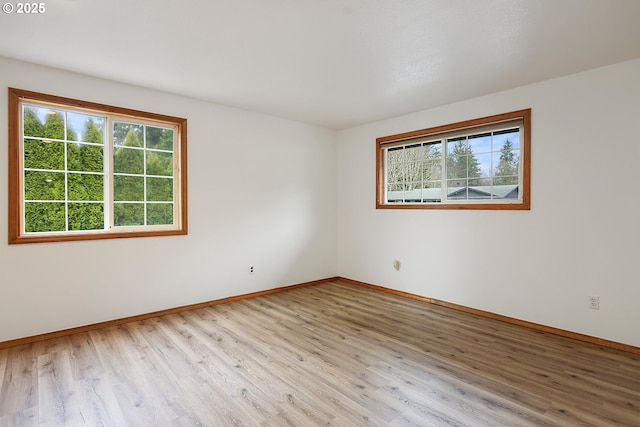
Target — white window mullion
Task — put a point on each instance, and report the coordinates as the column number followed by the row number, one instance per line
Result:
column 22, row 188
column 443, row 174
column 177, row 162
column 494, row 165
column 144, row 173
column 422, row 165
column 107, row 170
column 66, row 174
column 521, row 161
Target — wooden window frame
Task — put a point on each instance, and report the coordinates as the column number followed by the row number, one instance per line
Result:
column 524, row 200
column 16, row 170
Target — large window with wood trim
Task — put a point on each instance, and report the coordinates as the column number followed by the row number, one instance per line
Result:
column 476, row 164
column 80, row 170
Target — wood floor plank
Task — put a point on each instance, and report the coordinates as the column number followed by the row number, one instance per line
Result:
column 19, row 388
column 331, row 354
column 4, row 353
column 251, row 395
column 327, row 383
column 137, row 398
column 312, row 404
column 58, row 393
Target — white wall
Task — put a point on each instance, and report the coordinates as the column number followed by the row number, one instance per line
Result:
column 580, row 238
column 261, row 192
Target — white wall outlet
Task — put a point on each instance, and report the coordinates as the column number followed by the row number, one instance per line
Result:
column 594, row 302
column 252, row 269
column 396, row 264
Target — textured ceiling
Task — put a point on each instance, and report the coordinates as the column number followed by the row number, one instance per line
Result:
column 335, row 63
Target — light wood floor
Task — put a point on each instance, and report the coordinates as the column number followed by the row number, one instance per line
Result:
column 325, row 355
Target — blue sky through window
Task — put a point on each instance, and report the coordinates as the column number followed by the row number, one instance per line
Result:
column 486, row 148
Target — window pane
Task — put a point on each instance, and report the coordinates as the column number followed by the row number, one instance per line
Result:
column 159, row 138
column 159, row 163
column 475, row 182
column 484, row 163
column 395, row 167
column 128, row 160
column 412, row 195
column 45, row 122
column 43, row 185
column 458, row 167
column 413, row 152
column 432, row 184
column 395, row 155
column 128, row 214
column 414, row 185
column 459, row 144
column 432, row 191
column 160, row 189
column 480, row 143
column 432, row 162
column 127, row 134
column 480, row 192
column 86, row 216
column 394, row 196
column 433, row 150
column 33, row 121
column 87, row 128
column 501, row 138
column 40, row 217
column 457, row 190
column 432, row 170
column 54, row 126
column 394, row 152
column 85, row 187
column 43, row 154
column 128, row 188
column 85, row 158
column 506, row 191
column 461, row 163
column 159, row 213
column 413, row 174
column 507, row 167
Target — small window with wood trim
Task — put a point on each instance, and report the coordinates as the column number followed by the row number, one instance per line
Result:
column 80, row 170
column 477, row 164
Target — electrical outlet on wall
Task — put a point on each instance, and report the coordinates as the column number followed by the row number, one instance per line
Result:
column 252, row 269
column 594, row 302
